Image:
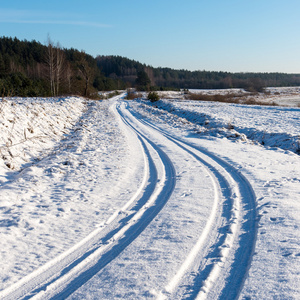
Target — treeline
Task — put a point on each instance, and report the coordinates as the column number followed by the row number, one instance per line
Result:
column 32, row 69
column 29, row 68
column 161, row 78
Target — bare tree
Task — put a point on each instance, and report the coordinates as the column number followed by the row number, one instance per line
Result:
column 85, row 71
column 50, row 61
column 55, row 61
column 59, row 67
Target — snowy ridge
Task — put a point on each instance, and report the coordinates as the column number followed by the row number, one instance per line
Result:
column 211, row 118
column 30, row 126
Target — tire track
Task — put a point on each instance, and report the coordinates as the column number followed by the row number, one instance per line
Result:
column 223, row 268
column 65, row 274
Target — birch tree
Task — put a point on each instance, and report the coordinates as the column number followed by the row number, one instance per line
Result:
column 55, row 61
column 50, row 61
column 59, row 68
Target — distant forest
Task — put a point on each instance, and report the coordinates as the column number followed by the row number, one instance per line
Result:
column 29, row 68
column 166, row 78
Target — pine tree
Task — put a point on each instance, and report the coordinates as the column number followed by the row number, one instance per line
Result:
column 143, row 81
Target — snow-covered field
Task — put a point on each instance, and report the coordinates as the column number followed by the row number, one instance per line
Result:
column 283, row 96
column 121, row 199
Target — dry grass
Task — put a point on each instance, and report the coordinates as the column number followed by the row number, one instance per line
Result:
column 238, row 98
column 228, row 98
column 253, row 101
column 133, row 95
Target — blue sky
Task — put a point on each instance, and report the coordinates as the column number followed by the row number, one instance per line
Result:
column 213, row 35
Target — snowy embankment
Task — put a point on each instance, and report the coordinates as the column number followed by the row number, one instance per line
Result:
column 270, row 126
column 31, row 130
column 128, row 199
column 32, row 126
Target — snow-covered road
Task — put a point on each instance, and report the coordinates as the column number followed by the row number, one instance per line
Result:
column 230, row 229
column 168, row 214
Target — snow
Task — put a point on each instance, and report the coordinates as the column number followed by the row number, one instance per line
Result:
column 130, row 199
column 272, row 126
column 276, row 96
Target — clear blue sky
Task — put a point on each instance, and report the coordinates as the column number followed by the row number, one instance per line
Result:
column 214, row 35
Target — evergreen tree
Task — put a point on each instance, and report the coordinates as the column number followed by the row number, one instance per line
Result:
column 143, row 81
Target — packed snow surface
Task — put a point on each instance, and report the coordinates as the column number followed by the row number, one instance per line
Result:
column 177, row 199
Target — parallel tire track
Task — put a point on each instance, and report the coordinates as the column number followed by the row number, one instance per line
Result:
column 65, row 274
column 224, row 267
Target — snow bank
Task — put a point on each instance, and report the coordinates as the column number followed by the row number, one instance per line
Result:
column 271, row 126
column 30, row 127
